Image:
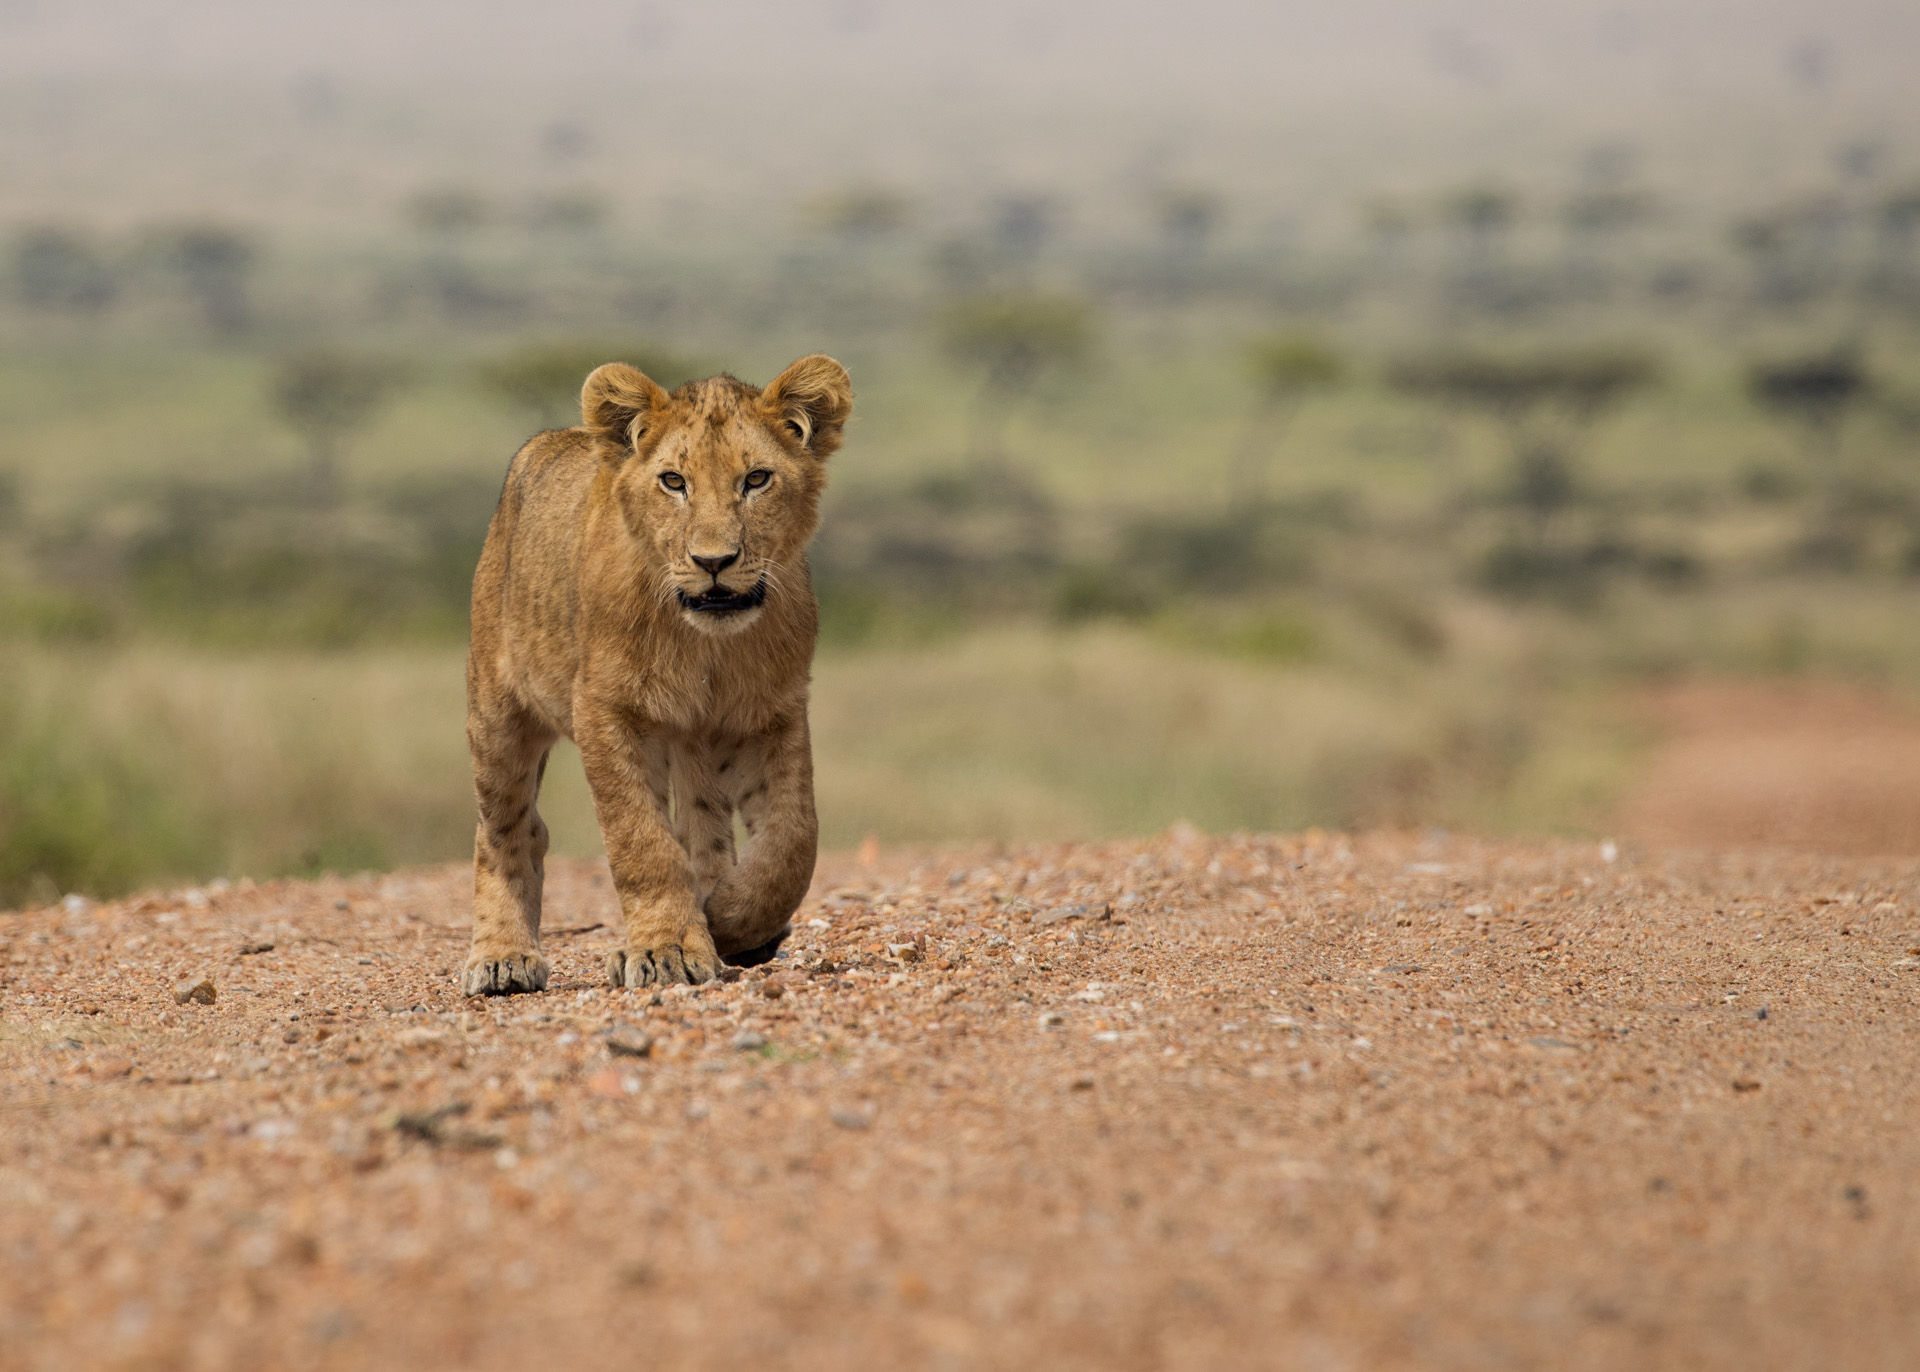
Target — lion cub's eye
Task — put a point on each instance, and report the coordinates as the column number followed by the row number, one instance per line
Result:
column 758, row 477
column 673, row 481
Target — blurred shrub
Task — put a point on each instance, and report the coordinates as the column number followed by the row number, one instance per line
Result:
column 1485, row 213
column 1271, row 635
column 1574, row 571
column 81, row 812
column 246, row 566
column 62, row 269
column 1815, row 392
column 987, row 534
column 1577, row 383
column 1609, row 212
column 449, row 210
column 860, row 214
column 1022, row 224
column 577, row 211
column 1095, row 592
column 1814, row 389
column 54, row 616
column 544, row 380
column 1287, row 367
column 1189, row 218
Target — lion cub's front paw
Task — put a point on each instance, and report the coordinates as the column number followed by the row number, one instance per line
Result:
column 505, row 975
column 673, row 964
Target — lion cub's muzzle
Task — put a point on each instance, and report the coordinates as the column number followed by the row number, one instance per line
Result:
column 720, row 602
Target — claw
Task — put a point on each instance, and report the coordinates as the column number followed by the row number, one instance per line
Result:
column 668, row 966
column 515, row 973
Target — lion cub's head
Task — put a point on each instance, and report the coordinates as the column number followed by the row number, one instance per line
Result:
column 719, row 483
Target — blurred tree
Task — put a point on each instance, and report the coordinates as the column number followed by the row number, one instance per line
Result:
column 1022, row 226
column 860, row 214
column 1546, row 402
column 1900, row 218
column 448, row 210
column 1608, row 213
column 61, row 269
column 565, row 141
column 214, row 263
column 1287, row 369
column 545, row 379
column 1814, row 393
column 575, row 211
column 1189, row 218
column 328, row 398
column 1013, row 342
column 1898, row 221
column 1485, row 214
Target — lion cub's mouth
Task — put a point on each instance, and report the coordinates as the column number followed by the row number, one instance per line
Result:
column 719, row 601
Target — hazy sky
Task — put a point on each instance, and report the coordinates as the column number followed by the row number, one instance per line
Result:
column 135, row 107
column 1223, row 49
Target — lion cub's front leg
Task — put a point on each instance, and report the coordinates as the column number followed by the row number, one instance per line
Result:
column 667, row 937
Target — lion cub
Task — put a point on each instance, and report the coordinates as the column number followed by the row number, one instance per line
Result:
column 644, row 592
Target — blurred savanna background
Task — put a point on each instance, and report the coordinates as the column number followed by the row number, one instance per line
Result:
column 1484, row 415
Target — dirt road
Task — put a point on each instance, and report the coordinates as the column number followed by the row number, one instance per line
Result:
column 1296, row 1103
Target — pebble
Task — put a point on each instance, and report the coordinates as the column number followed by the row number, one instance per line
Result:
column 1065, row 912
column 195, row 990
column 629, row 1041
column 611, row 1085
column 747, row 1041
column 110, row 1066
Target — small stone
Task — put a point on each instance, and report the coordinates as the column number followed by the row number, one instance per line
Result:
column 904, row 952
column 629, row 1041
column 110, row 1066
column 773, row 988
column 196, row 991
column 1066, row 912
column 607, row 1084
column 747, row 1041
column 848, row 1119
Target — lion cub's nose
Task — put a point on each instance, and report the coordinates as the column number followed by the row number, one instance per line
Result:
column 713, row 566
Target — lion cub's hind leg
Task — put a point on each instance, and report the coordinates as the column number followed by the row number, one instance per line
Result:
column 509, row 857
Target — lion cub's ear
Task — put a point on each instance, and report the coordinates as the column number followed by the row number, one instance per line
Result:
column 616, row 404
column 811, row 401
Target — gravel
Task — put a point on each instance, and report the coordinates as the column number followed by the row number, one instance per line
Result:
column 1319, row 1102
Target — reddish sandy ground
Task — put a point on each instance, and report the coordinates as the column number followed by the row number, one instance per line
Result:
column 1817, row 766
column 1297, row 1103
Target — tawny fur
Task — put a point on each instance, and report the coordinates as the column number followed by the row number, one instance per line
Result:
column 683, row 718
